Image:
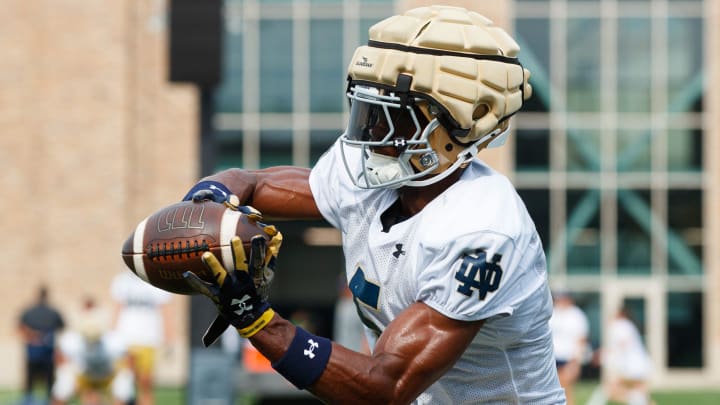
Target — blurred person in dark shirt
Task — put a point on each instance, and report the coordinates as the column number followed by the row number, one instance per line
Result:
column 39, row 323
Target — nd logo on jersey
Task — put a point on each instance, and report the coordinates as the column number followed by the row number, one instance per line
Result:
column 476, row 273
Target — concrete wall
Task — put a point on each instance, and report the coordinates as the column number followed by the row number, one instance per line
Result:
column 93, row 139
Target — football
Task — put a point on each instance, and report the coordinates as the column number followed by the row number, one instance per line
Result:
column 172, row 240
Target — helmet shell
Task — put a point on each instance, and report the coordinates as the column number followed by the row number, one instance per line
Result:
column 457, row 59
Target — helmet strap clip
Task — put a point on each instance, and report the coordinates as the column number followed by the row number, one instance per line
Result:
column 428, row 159
column 402, row 89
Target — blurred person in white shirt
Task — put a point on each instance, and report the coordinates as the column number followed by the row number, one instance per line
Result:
column 142, row 320
column 92, row 362
column 569, row 327
column 626, row 362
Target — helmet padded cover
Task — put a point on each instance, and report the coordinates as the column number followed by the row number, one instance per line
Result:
column 462, row 85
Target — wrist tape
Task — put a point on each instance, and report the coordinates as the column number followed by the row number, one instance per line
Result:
column 305, row 360
column 255, row 327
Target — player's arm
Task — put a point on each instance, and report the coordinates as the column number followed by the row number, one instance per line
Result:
column 415, row 350
column 282, row 191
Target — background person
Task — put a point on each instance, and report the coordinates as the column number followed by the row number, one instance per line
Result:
column 92, row 362
column 144, row 323
column 626, row 362
column 570, row 330
column 38, row 327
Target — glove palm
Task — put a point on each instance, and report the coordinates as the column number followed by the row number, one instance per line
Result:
column 240, row 294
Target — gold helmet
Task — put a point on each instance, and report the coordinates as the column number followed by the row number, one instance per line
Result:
column 437, row 84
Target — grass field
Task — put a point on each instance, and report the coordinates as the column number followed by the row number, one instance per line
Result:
column 176, row 396
column 584, row 390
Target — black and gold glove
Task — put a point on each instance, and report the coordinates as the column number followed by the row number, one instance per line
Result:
column 240, row 294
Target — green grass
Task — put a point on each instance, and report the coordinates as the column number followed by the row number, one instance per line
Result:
column 704, row 397
column 176, row 396
column 168, row 396
column 163, row 396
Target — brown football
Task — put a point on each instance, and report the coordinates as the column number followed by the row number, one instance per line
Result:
column 171, row 241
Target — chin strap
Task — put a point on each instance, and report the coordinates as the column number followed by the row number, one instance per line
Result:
column 500, row 136
column 468, row 156
column 464, row 157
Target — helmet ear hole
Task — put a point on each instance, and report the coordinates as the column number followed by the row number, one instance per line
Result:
column 480, row 111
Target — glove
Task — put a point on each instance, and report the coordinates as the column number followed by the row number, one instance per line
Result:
column 240, row 295
column 213, row 191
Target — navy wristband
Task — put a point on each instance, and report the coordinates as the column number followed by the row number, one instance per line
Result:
column 219, row 190
column 305, row 360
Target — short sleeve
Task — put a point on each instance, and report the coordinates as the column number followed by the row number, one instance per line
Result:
column 476, row 277
column 325, row 184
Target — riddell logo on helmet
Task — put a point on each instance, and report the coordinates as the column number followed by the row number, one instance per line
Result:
column 364, row 62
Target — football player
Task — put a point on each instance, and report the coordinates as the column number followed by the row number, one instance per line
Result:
column 443, row 260
column 141, row 316
column 93, row 363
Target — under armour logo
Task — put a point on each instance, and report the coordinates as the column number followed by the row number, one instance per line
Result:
column 398, row 251
column 241, row 304
column 309, row 351
column 399, row 143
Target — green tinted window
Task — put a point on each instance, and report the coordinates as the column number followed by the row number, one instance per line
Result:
column 633, row 232
column 532, row 149
column 537, row 203
column 633, row 150
column 320, row 141
column 684, row 148
column 685, row 239
column 275, row 148
column 634, row 65
column 276, row 66
column 582, row 150
column 583, row 70
column 583, row 232
column 685, row 330
column 228, row 149
column 327, row 67
column 229, row 96
column 685, row 63
column 533, row 36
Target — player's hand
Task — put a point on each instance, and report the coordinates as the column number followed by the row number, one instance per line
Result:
column 213, row 191
column 240, row 294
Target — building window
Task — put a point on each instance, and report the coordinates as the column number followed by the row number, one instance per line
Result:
column 614, row 137
column 685, row 330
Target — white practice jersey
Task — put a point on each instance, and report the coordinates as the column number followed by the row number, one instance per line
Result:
column 140, row 320
column 471, row 254
column 569, row 327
